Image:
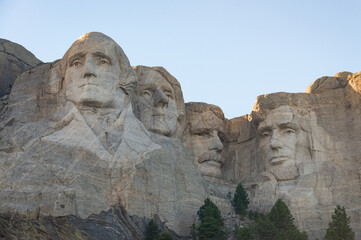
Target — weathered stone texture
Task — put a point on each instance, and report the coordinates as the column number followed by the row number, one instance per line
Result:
column 14, row 60
column 326, row 163
column 62, row 154
column 92, row 142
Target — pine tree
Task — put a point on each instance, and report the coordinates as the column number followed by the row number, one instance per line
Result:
column 240, row 200
column 194, row 232
column 210, row 209
column 152, row 231
column 165, row 236
column 279, row 224
column 339, row 228
column 266, row 229
column 245, row 233
column 211, row 222
column 281, row 216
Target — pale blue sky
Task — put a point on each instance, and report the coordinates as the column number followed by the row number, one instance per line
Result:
column 222, row 52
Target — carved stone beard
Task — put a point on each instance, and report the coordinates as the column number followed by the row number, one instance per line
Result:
column 285, row 173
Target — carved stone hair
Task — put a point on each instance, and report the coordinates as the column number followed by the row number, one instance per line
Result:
column 201, row 107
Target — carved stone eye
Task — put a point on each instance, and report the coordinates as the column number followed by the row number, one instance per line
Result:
column 203, row 134
column 289, row 131
column 146, row 92
column 266, row 134
column 168, row 94
column 104, row 61
column 75, row 63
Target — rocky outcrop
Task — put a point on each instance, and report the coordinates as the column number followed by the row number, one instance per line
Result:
column 91, row 148
column 303, row 148
column 14, row 60
column 112, row 224
column 65, row 153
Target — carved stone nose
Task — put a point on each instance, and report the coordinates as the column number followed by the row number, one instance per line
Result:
column 89, row 75
column 160, row 99
column 216, row 142
column 275, row 144
column 89, row 68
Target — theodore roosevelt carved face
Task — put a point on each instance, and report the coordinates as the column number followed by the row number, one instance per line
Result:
column 206, row 127
column 279, row 140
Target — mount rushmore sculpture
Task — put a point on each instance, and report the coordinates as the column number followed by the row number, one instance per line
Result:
column 88, row 132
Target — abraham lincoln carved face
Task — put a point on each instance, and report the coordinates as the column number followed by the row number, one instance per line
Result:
column 279, row 139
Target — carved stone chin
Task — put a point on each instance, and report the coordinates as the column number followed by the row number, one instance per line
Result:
column 285, row 173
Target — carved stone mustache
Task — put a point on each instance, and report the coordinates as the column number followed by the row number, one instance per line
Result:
column 210, row 156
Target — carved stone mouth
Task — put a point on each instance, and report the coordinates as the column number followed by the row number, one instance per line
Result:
column 210, row 157
column 87, row 84
column 213, row 163
column 158, row 115
column 276, row 160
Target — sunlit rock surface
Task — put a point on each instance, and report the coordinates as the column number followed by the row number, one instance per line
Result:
column 14, row 60
column 66, row 149
column 92, row 142
column 303, row 148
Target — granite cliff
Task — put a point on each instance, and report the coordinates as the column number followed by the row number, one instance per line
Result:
column 93, row 147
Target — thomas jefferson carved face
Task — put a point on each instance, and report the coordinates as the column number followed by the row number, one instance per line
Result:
column 92, row 75
column 206, row 129
column 278, row 142
column 156, row 103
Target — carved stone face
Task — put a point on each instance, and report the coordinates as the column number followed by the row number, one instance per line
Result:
column 156, row 103
column 92, row 75
column 206, row 129
column 278, row 142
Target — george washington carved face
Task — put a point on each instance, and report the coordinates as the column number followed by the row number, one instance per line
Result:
column 92, row 75
column 96, row 71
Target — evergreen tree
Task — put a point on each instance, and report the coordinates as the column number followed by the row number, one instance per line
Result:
column 339, row 228
column 211, row 222
column 194, row 232
column 281, row 216
column 279, row 224
column 240, row 200
column 152, row 231
column 165, row 236
column 210, row 209
column 281, row 236
column 266, row 229
column 245, row 233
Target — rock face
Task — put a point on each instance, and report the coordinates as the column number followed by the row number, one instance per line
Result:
column 303, row 148
column 71, row 145
column 112, row 224
column 14, row 60
column 93, row 147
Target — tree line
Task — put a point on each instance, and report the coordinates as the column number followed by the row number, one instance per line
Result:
column 278, row 224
